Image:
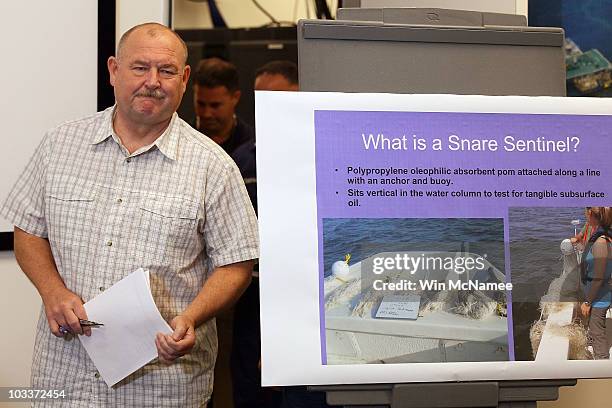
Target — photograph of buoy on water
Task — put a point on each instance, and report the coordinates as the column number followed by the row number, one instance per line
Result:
column 414, row 290
column 551, row 322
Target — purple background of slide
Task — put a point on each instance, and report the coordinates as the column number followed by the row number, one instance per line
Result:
column 339, row 144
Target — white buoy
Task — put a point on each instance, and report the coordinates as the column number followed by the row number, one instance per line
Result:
column 566, row 247
column 340, row 269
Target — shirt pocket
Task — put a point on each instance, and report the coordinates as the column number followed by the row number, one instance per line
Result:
column 71, row 210
column 169, row 227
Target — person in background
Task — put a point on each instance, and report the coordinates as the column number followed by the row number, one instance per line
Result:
column 216, row 92
column 277, row 76
column 585, row 233
column 273, row 76
column 246, row 350
column 596, row 270
column 246, row 345
column 133, row 187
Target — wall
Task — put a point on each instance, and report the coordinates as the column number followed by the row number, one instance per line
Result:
column 19, row 308
column 242, row 13
column 42, row 67
column 48, row 76
column 133, row 12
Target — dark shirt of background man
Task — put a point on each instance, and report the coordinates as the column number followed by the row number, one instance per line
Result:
column 216, row 93
column 246, row 345
column 273, row 76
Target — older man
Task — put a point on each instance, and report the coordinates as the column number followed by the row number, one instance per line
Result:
column 134, row 186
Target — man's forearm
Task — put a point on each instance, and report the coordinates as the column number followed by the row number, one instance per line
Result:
column 63, row 308
column 221, row 290
column 34, row 256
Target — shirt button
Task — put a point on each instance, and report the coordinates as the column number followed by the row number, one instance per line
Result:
column 109, row 243
column 101, row 288
column 97, row 375
column 129, row 159
column 119, row 200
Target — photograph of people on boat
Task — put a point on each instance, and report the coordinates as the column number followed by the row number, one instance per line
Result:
column 561, row 265
column 414, row 290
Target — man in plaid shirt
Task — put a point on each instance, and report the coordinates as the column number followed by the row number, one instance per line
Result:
column 134, row 186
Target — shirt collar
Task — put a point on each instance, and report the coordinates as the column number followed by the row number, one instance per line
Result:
column 106, row 129
column 167, row 142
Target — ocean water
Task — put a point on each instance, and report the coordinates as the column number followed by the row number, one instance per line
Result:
column 535, row 260
column 535, row 235
column 363, row 237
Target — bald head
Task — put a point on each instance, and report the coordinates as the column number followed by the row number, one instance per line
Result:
column 153, row 30
column 149, row 75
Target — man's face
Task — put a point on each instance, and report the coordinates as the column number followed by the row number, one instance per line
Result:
column 214, row 108
column 149, row 77
column 273, row 82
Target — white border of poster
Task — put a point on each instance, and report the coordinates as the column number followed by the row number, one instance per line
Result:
column 289, row 278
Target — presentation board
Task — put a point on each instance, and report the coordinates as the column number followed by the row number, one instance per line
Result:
column 51, row 77
column 425, row 238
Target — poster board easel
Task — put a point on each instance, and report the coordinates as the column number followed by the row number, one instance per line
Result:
column 331, row 56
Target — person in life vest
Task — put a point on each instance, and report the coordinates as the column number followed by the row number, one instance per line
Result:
column 596, row 270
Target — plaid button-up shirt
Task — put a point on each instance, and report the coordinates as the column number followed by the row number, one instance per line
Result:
column 177, row 207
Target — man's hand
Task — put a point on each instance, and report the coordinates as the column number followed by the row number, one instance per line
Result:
column 64, row 308
column 585, row 309
column 220, row 290
column 180, row 342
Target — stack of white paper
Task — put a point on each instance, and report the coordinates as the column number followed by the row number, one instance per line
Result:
column 131, row 320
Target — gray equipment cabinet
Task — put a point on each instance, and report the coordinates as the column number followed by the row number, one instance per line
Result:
column 433, row 51
column 437, row 51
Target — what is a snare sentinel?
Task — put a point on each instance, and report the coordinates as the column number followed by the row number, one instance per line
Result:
column 457, row 143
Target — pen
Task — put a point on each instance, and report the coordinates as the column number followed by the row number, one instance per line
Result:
column 84, row 323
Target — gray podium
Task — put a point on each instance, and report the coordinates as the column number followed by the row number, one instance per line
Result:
column 433, row 51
